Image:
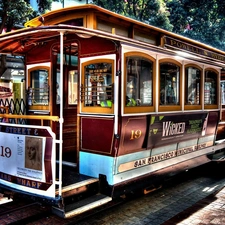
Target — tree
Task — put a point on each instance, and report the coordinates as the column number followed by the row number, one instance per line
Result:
column 203, row 21
column 44, row 5
column 14, row 13
column 17, row 12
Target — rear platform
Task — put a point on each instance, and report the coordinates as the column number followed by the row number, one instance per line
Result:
column 79, row 194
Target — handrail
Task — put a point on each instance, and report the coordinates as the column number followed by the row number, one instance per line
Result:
column 30, row 117
column 12, row 116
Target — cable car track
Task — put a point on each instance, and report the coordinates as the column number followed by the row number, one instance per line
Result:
column 22, row 212
column 19, row 212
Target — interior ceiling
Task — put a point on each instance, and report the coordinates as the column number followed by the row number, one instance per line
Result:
column 22, row 41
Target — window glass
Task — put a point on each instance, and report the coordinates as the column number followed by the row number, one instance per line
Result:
column 139, row 81
column 58, row 91
column 74, row 22
column 169, row 83
column 72, row 86
column 97, row 90
column 38, row 91
column 210, row 87
column 68, row 59
column 222, row 92
column 192, row 86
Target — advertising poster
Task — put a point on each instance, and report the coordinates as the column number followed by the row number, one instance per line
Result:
column 168, row 129
column 26, row 158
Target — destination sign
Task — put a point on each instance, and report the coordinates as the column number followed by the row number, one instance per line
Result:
column 174, row 43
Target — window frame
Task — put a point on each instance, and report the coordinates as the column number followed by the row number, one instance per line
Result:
column 96, row 109
column 139, row 109
column 193, row 107
column 164, row 108
column 40, row 106
column 213, row 106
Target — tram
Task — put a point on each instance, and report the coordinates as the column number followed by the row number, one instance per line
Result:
column 112, row 106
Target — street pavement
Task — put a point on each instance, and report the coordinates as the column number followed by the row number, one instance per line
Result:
column 194, row 198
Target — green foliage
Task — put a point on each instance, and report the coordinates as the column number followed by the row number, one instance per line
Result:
column 153, row 12
column 42, row 5
column 17, row 12
column 13, row 12
column 203, row 20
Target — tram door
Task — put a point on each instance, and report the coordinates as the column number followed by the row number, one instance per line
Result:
column 70, row 100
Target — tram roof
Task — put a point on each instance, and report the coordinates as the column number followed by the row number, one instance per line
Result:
column 43, row 29
column 61, row 15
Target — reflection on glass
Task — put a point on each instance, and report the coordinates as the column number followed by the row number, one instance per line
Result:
column 192, row 86
column 38, row 91
column 222, row 92
column 169, row 84
column 72, row 85
column 139, row 81
column 210, row 88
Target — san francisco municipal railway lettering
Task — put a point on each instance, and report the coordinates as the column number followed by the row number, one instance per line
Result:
column 167, row 155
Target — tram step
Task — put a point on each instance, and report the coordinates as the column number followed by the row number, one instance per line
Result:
column 80, row 207
column 219, row 141
column 77, row 188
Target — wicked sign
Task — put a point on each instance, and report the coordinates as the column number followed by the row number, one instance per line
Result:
column 168, row 129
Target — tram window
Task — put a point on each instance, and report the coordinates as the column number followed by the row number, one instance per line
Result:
column 98, row 89
column 222, row 84
column 72, row 86
column 139, row 81
column 73, row 22
column 169, row 83
column 192, row 85
column 38, row 91
column 210, row 87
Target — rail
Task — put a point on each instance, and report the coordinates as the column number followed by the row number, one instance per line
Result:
column 93, row 95
column 30, row 117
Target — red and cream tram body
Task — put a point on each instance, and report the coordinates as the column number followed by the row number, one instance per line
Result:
column 113, row 105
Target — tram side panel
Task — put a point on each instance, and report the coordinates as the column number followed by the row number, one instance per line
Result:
column 170, row 139
column 172, row 143
column 97, row 152
column 149, row 145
